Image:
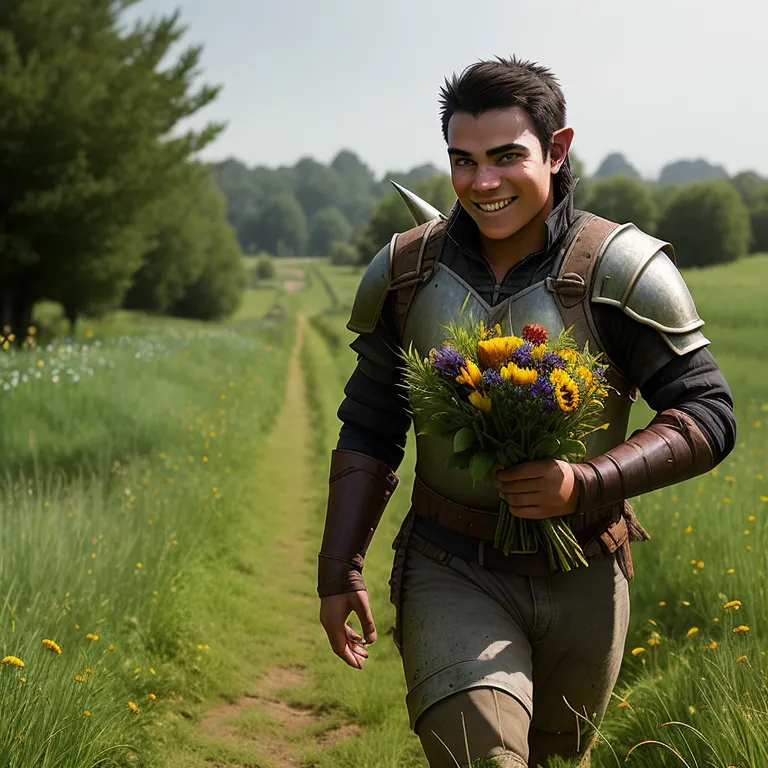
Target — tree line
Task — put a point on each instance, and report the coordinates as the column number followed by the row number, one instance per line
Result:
column 344, row 212
column 102, row 202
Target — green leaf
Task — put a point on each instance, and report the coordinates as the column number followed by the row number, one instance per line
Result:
column 481, row 465
column 461, row 460
column 464, row 438
column 547, row 446
column 570, row 447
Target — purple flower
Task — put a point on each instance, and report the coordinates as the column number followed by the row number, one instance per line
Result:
column 543, row 391
column 492, row 378
column 550, row 361
column 448, row 361
column 522, row 355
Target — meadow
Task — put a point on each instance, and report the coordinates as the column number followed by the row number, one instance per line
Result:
column 161, row 507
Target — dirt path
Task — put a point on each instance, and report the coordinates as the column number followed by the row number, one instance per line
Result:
column 262, row 728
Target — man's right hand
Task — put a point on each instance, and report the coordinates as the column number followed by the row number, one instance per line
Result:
column 345, row 641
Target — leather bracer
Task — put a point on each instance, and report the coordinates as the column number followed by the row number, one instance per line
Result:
column 669, row 450
column 359, row 489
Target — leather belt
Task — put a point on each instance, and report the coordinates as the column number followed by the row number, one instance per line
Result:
column 604, row 536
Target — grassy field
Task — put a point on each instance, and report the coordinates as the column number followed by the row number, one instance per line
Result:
column 162, row 505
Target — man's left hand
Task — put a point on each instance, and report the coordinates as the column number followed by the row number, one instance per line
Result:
column 539, row 489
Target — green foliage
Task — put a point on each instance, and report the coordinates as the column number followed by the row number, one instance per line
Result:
column 690, row 172
column 282, row 227
column 343, row 255
column 752, row 189
column 265, row 268
column 616, row 164
column 329, row 226
column 86, row 112
column 623, row 199
column 707, row 223
column 759, row 223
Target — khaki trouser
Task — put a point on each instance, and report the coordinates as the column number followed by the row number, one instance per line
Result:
column 494, row 655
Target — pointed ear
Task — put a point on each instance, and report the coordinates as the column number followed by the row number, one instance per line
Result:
column 559, row 146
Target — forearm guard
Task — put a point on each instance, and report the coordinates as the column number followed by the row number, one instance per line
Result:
column 669, row 450
column 359, row 489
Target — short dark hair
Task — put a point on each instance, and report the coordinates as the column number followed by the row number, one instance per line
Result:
column 504, row 83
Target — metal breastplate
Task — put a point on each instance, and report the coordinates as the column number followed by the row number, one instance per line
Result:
column 439, row 301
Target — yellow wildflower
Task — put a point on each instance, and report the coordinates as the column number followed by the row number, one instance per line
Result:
column 662, row 603
column 152, row 697
column 688, row 529
column 712, row 645
column 637, row 651
column 22, row 679
column 79, row 678
column 654, row 639
column 139, row 565
column 741, row 659
column 15, row 660
column 538, row 352
column 518, row 375
column 111, row 648
column 86, row 713
column 751, row 519
column 497, row 352
column 729, row 479
column 470, row 374
column 569, row 355
column 733, row 604
column 88, row 671
column 623, row 704
column 480, row 401
column 203, row 646
column 152, row 671
column 567, row 396
column 741, row 629
column 559, row 376
column 51, row 645
column 132, row 706
column 585, row 375
column 692, row 631
column 91, row 636
column 731, row 571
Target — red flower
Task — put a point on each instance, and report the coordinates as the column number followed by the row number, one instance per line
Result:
column 536, row 334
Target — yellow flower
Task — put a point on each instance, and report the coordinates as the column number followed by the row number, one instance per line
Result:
column 86, row 713
column 733, row 604
column 88, row 671
column 79, row 678
column 688, row 529
column 585, row 375
column 637, row 651
column 518, row 375
column 152, row 671
column 538, row 352
column 470, row 374
column 52, row 646
column 569, row 355
column 692, row 631
column 712, row 645
column 203, row 646
column 731, row 571
column 494, row 353
column 559, row 376
column 623, row 704
column 480, row 401
column 152, row 697
column 567, row 395
column 91, row 636
column 740, row 659
column 132, row 706
column 741, row 629
column 662, row 603
column 15, row 660
column 111, row 648
column 729, row 479
column 22, row 679
column 654, row 639
column 751, row 519
column 139, row 565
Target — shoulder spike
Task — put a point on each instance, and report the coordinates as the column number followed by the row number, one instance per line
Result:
column 421, row 210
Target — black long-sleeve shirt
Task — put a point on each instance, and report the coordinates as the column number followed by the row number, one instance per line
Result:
column 375, row 411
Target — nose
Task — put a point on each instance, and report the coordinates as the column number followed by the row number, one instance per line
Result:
column 486, row 178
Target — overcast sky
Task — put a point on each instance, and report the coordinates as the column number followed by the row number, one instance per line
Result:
column 658, row 80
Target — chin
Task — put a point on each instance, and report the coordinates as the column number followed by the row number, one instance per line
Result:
column 500, row 231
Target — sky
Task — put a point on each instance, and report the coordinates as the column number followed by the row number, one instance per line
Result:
column 658, row 80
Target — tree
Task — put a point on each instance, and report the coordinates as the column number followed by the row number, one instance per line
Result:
column 282, row 227
column 343, row 255
column 690, row 171
column 623, row 199
column 616, row 164
column 86, row 119
column 752, row 189
column 329, row 226
column 707, row 223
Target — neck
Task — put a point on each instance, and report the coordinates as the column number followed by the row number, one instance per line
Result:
column 504, row 254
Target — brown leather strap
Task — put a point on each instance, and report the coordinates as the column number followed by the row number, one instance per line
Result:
column 359, row 489
column 572, row 286
column 669, row 450
column 414, row 256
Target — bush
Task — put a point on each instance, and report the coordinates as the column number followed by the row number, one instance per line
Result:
column 343, row 255
column 265, row 266
column 707, row 223
column 623, row 199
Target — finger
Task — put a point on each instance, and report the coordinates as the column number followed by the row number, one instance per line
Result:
column 522, row 499
column 529, row 512
column 529, row 469
column 531, row 485
column 354, row 640
column 363, row 611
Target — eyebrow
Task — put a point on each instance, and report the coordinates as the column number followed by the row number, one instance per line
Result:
column 491, row 152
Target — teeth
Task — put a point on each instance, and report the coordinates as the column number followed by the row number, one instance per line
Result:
column 489, row 207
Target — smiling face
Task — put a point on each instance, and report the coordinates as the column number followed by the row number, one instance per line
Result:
column 498, row 170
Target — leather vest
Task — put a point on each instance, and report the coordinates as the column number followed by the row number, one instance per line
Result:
column 438, row 301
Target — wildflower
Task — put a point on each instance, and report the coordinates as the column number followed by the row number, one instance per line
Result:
column 688, row 529
column 729, row 479
column 623, row 704
column 567, row 395
column 654, row 639
column 202, row 647
column 764, row 499
column 537, row 352
column 712, row 645
column 637, row 651
column 741, row 659
column 86, row 713
column 139, row 566
column 731, row 571
column 52, row 646
column 132, row 706
column 544, row 392
column 751, row 519
column 569, row 355
column 523, row 356
column 152, row 697
column 741, row 629
column 492, row 378
column 470, row 374
column 23, row 680
column 79, row 678
column 480, row 401
column 733, row 604
column 205, row 459
column 692, row 631
column 726, row 499
column 535, row 333
column 111, row 648
column 662, row 603
column 152, row 671
column 88, row 671
column 586, row 376
column 518, row 375
column 551, row 361
column 15, row 660
column 497, row 352
column 91, row 636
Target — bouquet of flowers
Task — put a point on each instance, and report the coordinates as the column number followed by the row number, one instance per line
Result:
column 504, row 400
